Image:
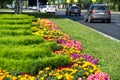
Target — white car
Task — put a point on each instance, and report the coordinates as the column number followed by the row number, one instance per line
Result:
column 48, row 9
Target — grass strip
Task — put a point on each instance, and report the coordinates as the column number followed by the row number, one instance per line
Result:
column 94, row 44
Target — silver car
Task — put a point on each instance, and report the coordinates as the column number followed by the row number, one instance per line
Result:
column 73, row 10
column 98, row 12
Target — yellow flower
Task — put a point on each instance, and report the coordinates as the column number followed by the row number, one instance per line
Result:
column 74, row 71
column 97, row 71
column 50, row 74
column 47, row 68
column 14, row 78
column 2, row 77
column 91, row 71
column 75, row 64
column 59, row 76
column 32, row 78
column 86, row 73
column 42, row 78
column 40, row 72
column 23, row 78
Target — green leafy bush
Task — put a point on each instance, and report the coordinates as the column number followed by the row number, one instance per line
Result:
column 15, row 21
column 33, row 66
column 7, row 26
column 21, row 40
column 15, row 32
column 25, row 52
column 15, row 17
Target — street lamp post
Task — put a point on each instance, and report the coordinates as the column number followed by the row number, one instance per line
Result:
column 37, row 5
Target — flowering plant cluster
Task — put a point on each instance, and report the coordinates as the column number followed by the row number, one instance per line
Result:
column 82, row 66
column 90, row 58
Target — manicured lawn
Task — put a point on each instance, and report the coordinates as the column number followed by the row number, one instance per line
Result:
column 95, row 44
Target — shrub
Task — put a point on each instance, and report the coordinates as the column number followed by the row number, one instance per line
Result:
column 7, row 26
column 15, row 32
column 25, row 52
column 33, row 66
column 21, row 40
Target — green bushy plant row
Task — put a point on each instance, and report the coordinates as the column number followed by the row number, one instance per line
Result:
column 25, row 52
column 15, row 17
column 21, row 40
column 7, row 26
column 33, row 66
column 28, row 52
column 21, row 50
column 5, row 32
column 15, row 21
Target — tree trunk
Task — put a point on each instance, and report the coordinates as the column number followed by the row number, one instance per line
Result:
column 18, row 7
column 114, row 6
column 119, row 7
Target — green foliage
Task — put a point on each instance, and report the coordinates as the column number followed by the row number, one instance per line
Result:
column 21, row 40
column 15, row 17
column 25, row 52
column 21, row 50
column 14, row 27
column 42, row 15
column 53, row 45
column 33, row 66
column 14, row 21
column 4, row 32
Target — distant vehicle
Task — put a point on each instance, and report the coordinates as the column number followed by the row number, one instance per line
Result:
column 10, row 6
column 98, row 12
column 73, row 10
column 48, row 9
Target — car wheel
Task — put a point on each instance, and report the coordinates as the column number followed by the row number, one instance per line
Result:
column 66, row 13
column 75, row 14
column 85, row 20
column 69, row 14
column 103, row 21
column 53, row 12
column 89, row 20
column 109, row 20
column 79, row 14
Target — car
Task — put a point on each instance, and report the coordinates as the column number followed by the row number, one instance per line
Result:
column 97, row 12
column 73, row 10
column 48, row 9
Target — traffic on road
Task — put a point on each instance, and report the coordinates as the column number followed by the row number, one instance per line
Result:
column 111, row 29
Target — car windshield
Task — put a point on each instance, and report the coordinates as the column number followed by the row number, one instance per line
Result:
column 75, row 7
column 100, row 7
column 43, row 7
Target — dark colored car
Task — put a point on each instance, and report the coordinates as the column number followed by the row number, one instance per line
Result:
column 73, row 10
column 98, row 12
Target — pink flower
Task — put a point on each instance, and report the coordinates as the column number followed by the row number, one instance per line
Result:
column 79, row 78
column 99, row 76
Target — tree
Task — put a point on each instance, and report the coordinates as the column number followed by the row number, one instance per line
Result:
column 4, row 3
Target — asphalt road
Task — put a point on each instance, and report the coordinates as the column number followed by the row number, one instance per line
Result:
column 112, row 30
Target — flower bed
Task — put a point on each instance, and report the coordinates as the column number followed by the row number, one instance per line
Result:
column 82, row 67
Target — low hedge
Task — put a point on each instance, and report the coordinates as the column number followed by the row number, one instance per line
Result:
column 7, row 32
column 28, row 52
column 15, row 17
column 15, row 21
column 7, row 26
column 25, row 52
column 21, row 40
column 33, row 66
